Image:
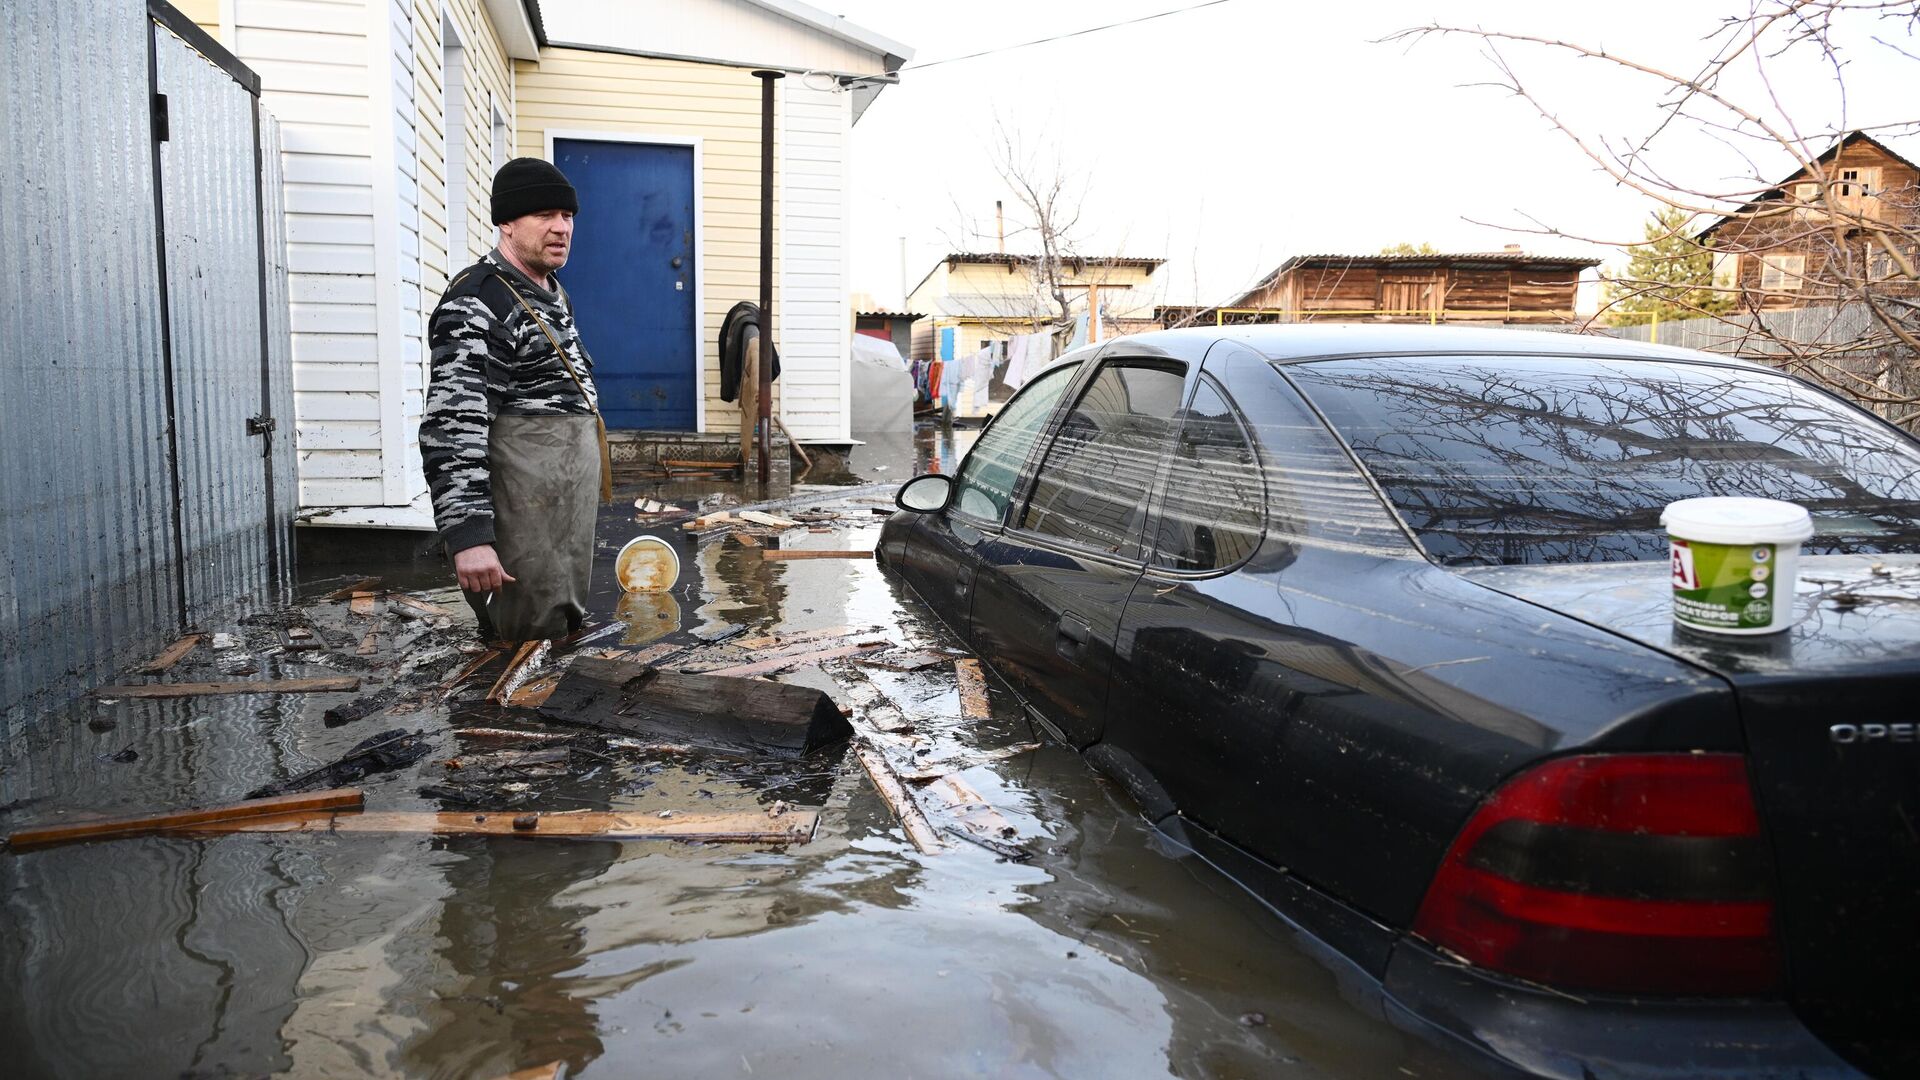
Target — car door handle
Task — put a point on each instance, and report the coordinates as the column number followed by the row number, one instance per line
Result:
column 1075, row 630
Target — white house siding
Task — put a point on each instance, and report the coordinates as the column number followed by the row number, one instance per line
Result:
column 312, row 59
column 739, row 30
column 579, row 91
column 487, row 83
column 813, row 318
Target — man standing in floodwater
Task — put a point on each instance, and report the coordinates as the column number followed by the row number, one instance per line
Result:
column 511, row 440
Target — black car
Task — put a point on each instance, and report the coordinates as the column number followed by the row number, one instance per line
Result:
column 1377, row 620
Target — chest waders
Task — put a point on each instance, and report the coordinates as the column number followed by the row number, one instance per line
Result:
column 543, row 513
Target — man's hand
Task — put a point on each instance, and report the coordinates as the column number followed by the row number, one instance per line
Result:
column 479, row 569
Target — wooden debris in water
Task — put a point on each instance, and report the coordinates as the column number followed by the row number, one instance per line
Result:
column 771, row 521
column 936, row 768
column 327, row 684
column 746, row 539
column 519, row 669
column 369, row 644
column 172, row 654
column 765, row 640
column 223, row 642
column 909, row 661
column 898, row 799
column 365, row 604
column 465, row 673
column 510, row 735
column 781, row 663
column 549, row 1071
column 183, row 820
column 791, row 554
column 737, row 827
column 731, row 715
column 974, row 704
column 418, row 604
column 535, row 693
column 364, row 585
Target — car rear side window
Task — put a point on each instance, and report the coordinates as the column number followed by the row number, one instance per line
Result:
column 1548, row 460
column 1092, row 488
column 1213, row 507
column 993, row 466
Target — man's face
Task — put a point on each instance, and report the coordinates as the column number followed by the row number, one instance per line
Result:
column 540, row 240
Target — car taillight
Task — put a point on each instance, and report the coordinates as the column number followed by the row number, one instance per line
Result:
column 1629, row 873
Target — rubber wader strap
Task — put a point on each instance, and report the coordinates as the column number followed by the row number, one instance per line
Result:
column 606, row 452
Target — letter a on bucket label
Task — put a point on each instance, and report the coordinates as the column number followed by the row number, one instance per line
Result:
column 1719, row 586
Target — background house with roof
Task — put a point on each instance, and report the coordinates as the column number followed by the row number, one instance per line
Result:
column 1781, row 251
column 971, row 300
column 1490, row 288
column 397, row 112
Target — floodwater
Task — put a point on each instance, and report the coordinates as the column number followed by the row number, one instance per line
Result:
column 1105, row 955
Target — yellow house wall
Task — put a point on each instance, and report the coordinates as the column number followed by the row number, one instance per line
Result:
column 574, row 90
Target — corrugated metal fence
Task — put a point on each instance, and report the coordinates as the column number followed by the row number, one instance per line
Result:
column 145, row 343
column 1759, row 338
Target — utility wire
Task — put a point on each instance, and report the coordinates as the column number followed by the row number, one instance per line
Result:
column 1062, row 37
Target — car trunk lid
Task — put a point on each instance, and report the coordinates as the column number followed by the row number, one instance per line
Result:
column 1835, row 753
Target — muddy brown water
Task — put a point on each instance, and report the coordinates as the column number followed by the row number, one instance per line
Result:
column 1106, row 955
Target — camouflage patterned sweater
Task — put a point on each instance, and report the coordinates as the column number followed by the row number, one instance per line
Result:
column 490, row 358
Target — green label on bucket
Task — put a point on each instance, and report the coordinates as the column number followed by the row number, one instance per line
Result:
column 1723, row 586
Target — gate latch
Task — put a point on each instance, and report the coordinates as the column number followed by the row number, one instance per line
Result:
column 261, row 425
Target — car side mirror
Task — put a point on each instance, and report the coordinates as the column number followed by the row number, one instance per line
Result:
column 925, row 494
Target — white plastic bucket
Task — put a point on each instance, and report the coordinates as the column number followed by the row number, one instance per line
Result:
column 1735, row 563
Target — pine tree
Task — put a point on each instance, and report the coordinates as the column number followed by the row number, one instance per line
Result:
column 1670, row 276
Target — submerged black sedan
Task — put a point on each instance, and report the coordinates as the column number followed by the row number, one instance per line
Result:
column 1377, row 621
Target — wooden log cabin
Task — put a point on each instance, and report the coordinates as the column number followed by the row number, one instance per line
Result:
column 1782, row 250
column 1476, row 288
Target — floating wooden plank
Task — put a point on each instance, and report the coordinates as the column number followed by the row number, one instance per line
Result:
column 369, row 644
column 365, row 604
column 707, row 521
column 912, row 819
column 325, row 684
column 746, row 539
column 873, row 711
column 252, row 809
column 172, row 654
column 781, row 663
column 771, row 521
column 790, row 554
column 731, row 715
column 765, row 640
column 969, row 808
column 791, row 826
column 535, row 693
column 418, row 604
column 974, row 704
column 511, row 735
column 519, row 669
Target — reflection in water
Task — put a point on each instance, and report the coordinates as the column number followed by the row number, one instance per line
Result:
column 509, row 946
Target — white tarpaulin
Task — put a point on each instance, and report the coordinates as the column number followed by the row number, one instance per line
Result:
column 882, row 388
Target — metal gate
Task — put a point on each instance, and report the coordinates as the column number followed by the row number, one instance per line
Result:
column 144, row 331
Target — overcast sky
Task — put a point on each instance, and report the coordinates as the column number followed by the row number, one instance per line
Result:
column 1229, row 138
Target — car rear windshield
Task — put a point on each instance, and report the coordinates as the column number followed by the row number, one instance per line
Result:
column 1544, row 460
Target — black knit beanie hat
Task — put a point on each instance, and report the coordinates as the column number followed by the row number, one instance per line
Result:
column 527, row 186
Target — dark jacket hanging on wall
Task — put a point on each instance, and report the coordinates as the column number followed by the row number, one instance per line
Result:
column 741, row 318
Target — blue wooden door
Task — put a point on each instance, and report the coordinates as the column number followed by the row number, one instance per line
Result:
column 631, row 277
